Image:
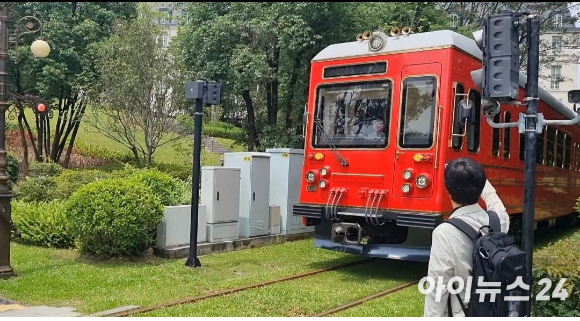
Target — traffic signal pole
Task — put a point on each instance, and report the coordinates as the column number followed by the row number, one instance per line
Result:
column 208, row 93
column 531, row 117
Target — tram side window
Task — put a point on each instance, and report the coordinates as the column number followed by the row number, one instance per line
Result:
column 567, row 151
column 550, row 145
column 474, row 130
column 495, row 139
column 507, row 136
column 540, row 147
column 457, row 141
column 559, row 148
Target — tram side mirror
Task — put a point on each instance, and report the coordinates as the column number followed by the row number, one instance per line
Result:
column 490, row 107
column 304, row 118
column 465, row 111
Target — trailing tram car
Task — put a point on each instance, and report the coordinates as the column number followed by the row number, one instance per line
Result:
column 381, row 122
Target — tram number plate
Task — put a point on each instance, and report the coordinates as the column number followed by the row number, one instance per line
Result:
column 312, row 188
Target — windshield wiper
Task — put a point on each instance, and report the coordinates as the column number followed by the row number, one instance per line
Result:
column 337, row 154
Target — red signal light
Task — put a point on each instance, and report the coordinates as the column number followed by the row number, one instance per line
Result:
column 41, row 108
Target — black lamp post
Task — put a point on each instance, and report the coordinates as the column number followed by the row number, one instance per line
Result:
column 39, row 48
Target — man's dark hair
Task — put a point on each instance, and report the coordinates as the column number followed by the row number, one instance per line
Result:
column 464, row 180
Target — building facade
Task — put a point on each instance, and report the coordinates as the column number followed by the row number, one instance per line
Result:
column 563, row 72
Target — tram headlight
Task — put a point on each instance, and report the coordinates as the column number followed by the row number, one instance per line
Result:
column 376, row 43
column 324, row 171
column 422, row 181
column 407, row 174
column 406, row 188
column 322, row 184
column 310, row 177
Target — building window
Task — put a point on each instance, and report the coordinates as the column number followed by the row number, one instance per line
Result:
column 555, row 76
column 557, row 19
column 166, row 40
column 557, row 44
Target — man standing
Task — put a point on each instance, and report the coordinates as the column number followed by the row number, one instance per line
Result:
column 451, row 249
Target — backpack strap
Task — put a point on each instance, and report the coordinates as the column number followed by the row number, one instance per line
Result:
column 494, row 222
column 464, row 227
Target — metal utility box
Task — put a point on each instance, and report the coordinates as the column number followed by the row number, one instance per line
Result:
column 274, row 219
column 221, row 232
column 220, row 193
column 286, row 175
column 174, row 228
column 254, row 185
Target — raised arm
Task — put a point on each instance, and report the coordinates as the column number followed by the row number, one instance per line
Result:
column 494, row 203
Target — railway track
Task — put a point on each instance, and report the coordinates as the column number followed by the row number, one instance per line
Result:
column 365, row 299
column 234, row 290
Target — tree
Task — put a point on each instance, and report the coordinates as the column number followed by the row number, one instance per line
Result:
column 141, row 89
column 64, row 78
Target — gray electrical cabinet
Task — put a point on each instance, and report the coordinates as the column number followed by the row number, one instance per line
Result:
column 254, row 209
column 286, row 177
column 220, row 193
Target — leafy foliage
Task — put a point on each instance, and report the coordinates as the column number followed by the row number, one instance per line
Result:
column 44, row 169
column 162, row 185
column 42, row 224
column 12, row 169
column 557, row 261
column 36, row 189
column 65, row 77
column 114, row 217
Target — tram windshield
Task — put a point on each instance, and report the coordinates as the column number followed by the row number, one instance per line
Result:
column 354, row 115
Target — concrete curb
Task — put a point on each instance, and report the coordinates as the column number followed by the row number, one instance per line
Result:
column 182, row 251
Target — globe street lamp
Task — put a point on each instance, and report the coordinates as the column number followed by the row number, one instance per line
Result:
column 39, row 48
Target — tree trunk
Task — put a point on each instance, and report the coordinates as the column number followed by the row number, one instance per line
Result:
column 252, row 133
column 30, row 134
column 73, row 136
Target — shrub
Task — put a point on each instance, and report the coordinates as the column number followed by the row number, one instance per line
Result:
column 102, row 153
column 37, row 169
column 214, row 129
column 36, row 189
column 42, row 224
column 161, row 184
column 71, row 180
column 114, row 217
column 557, row 261
column 12, row 169
column 179, row 171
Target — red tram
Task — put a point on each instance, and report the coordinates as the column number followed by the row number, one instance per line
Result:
column 382, row 122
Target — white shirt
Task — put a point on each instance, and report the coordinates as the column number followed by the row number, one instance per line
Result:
column 451, row 251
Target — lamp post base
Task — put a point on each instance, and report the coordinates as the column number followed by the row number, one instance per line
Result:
column 6, row 272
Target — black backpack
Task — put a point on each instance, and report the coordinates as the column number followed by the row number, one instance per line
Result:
column 496, row 258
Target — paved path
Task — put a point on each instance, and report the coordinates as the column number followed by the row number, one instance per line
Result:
column 12, row 309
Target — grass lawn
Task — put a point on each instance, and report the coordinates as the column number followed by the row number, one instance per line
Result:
column 165, row 153
column 64, row 278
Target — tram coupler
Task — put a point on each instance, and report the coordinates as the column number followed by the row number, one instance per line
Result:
column 346, row 233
